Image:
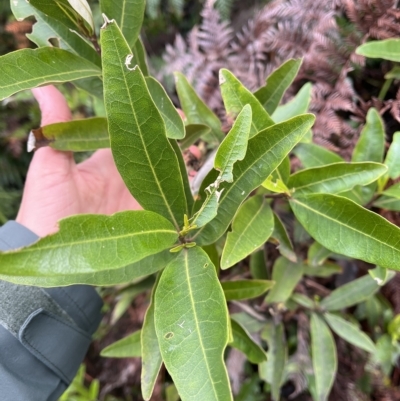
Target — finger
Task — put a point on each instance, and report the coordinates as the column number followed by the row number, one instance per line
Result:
column 54, row 109
column 53, row 105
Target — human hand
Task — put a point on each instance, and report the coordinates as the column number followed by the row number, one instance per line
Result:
column 56, row 187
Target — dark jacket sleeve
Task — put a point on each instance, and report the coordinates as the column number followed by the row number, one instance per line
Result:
column 44, row 333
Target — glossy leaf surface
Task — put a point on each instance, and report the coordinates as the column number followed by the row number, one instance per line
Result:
column 388, row 49
column 173, row 121
column 276, row 85
column 286, row 276
column 243, row 342
column 350, row 332
column 245, row 289
column 312, row 155
column 264, row 153
column 298, row 105
column 236, row 96
column 252, row 226
column 87, row 246
column 184, row 321
column 346, row 228
column 127, row 347
column 196, row 111
column 335, row 178
column 76, row 136
column 234, row 145
column 350, row 294
column 392, row 160
column 27, row 69
column 128, row 15
column 150, row 350
column 371, row 144
column 324, row 357
column 141, row 150
column 285, row 245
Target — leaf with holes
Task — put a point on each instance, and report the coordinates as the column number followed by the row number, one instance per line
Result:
column 143, row 155
column 184, row 321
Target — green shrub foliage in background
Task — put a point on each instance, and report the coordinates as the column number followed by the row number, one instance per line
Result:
column 238, row 208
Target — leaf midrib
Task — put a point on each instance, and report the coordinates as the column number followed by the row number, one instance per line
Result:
column 226, row 193
column 97, row 239
column 345, row 225
column 333, row 178
column 196, row 322
column 143, row 144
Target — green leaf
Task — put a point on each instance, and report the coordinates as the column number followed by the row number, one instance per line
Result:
column 243, row 342
column 286, row 275
column 280, row 235
column 312, row 155
column 140, row 57
column 298, row 105
column 141, row 150
column 283, row 170
column 317, row 254
column 380, row 275
column 350, row 332
column 392, row 160
column 347, row 228
column 128, row 15
column 277, row 83
column 325, row 270
column 324, row 357
column 258, row 266
column 184, row 174
column 388, row 49
column 47, row 28
column 252, row 226
column 245, row 289
column 264, row 153
column 350, row 294
column 27, row 69
column 193, row 132
column 77, row 136
column 234, row 145
column 189, row 305
column 388, row 203
column 62, row 11
column 394, row 73
column 83, row 9
column 236, row 96
column 173, row 121
column 277, row 186
column 196, row 111
column 303, row 300
column 335, row 178
column 272, row 371
column 127, row 296
column 150, row 350
column 86, row 246
column 128, row 347
column 371, row 144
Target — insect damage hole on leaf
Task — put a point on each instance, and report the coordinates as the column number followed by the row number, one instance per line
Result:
column 169, row 335
column 128, row 61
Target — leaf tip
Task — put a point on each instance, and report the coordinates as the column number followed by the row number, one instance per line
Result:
column 106, row 21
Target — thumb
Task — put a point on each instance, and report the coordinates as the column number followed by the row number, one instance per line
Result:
column 53, row 105
column 54, row 109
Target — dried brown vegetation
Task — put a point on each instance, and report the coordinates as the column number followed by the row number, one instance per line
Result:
column 324, row 34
